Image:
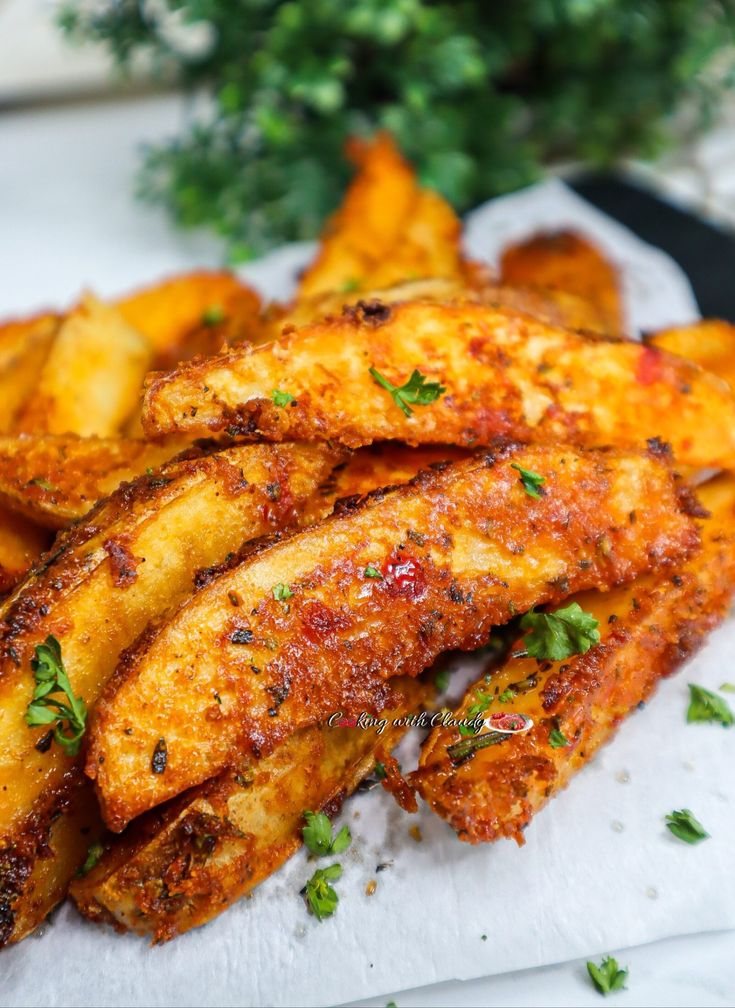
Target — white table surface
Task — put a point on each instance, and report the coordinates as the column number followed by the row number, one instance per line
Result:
column 66, row 213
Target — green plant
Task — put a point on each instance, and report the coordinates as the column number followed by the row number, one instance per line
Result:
column 478, row 94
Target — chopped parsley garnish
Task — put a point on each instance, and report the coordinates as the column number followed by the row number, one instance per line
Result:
column 707, row 706
column 607, row 977
column 416, row 390
column 320, row 896
column 557, row 739
column 372, row 572
column 44, row 709
column 558, row 635
column 282, row 398
column 282, row 592
column 42, row 483
column 94, row 853
column 213, row 315
column 349, row 285
column 531, row 481
column 380, row 771
column 684, row 826
column 507, row 696
column 441, row 680
column 318, row 837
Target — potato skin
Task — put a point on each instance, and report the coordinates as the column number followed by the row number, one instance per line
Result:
column 647, row 630
column 504, row 373
column 709, row 343
column 24, row 347
column 140, row 551
column 183, row 864
column 449, row 547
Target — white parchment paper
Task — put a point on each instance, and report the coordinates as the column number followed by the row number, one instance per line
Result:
column 599, row 870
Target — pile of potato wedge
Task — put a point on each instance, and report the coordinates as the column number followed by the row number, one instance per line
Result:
column 224, row 522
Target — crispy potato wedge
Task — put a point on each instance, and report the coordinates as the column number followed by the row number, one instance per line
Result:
column 192, row 313
column 387, row 230
column 320, row 621
column 709, row 343
column 566, row 261
column 55, row 479
column 180, row 866
column 503, row 372
column 90, row 382
column 490, row 789
column 22, row 542
column 24, row 346
column 139, row 551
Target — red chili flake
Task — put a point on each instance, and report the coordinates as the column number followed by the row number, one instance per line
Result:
column 403, row 576
column 649, row 368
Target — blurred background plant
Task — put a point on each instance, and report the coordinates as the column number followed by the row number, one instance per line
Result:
column 480, row 95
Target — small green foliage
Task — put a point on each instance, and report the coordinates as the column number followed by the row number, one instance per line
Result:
column 42, row 483
column 282, row 398
column 94, row 853
column 371, row 571
column 416, row 390
column 441, row 680
column 380, row 771
column 532, row 482
column 558, row 635
column 607, row 977
column 727, row 687
column 321, row 898
column 70, row 717
column 557, row 739
column 213, row 315
column 318, row 837
column 707, row 706
column 684, row 826
column 507, row 696
column 282, row 592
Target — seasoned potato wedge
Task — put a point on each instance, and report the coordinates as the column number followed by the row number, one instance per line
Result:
column 56, row 478
column 90, row 382
column 566, row 261
column 709, row 343
column 387, row 230
column 22, row 542
column 24, row 346
column 191, row 313
column 181, row 865
column 501, row 372
column 647, row 629
column 320, row 621
column 139, row 551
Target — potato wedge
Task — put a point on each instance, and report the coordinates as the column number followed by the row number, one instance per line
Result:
column 22, row 542
column 502, row 372
column 55, row 479
column 320, row 621
column 90, row 382
column 647, row 629
column 709, row 343
column 565, row 261
column 180, row 866
column 24, row 346
column 140, row 551
column 387, row 230
column 191, row 313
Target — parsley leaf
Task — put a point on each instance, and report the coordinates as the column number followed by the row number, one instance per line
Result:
column 94, row 853
column 317, row 835
column 44, row 709
column 371, row 571
column 531, row 481
column 507, row 696
column 380, row 771
column 707, row 706
column 684, row 826
column 441, row 680
column 557, row 739
column 321, row 898
column 282, row 592
column 555, row 636
column 607, row 977
column 416, row 390
column 282, row 398
column 349, row 285
column 213, row 315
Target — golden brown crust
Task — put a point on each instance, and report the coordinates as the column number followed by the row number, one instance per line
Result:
column 504, row 374
column 24, row 347
column 709, row 343
column 647, row 630
column 458, row 551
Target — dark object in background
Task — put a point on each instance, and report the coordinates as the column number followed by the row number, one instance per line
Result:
column 705, row 252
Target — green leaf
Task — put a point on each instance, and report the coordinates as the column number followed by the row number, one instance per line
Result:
column 321, row 898
column 557, row 739
column 417, row 390
column 317, row 835
column 607, row 977
column 44, row 708
column 727, row 687
column 213, row 315
column 441, row 680
column 282, row 592
column 282, row 398
column 380, row 771
column 683, row 825
column 372, row 572
column 707, row 706
column 532, row 482
column 94, row 853
column 342, row 841
column 558, row 635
